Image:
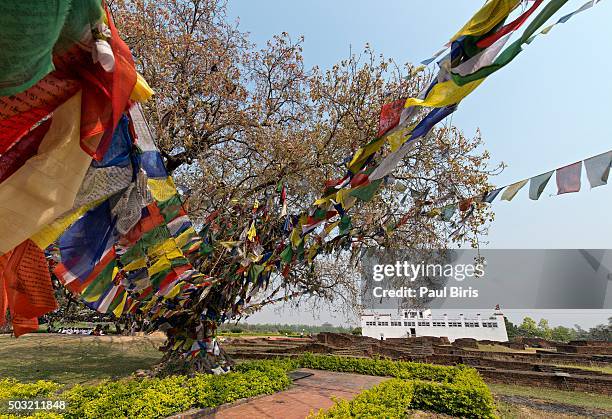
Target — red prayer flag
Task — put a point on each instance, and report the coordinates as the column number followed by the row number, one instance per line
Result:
column 510, row 27
column 390, row 116
column 568, row 178
column 25, row 287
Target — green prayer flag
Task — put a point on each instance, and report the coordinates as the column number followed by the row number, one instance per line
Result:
column 367, row 192
column 345, row 225
column 515, row 48
column 287, row 254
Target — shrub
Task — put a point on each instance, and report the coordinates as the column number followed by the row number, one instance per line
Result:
column 161, row 397
column 389, row 399
column 12, row 389
column 210, row 391
column 236, row 330
column 263, row 365
column 380, row 367
column 458, row 391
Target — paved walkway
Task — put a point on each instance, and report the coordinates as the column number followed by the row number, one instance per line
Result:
column 306, row 395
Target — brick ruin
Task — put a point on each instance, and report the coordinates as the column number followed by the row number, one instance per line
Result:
column 526, row 361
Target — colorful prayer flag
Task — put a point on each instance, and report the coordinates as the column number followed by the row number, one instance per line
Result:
column 568, row 178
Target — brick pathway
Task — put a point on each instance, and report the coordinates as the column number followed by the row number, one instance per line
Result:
column 306, row 395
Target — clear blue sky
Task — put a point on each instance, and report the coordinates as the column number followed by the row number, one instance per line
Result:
column 550, row 107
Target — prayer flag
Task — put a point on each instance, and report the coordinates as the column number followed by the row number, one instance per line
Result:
column 537, row 185
column 390, row 116
column 598, row 169
column 490, row 196
column 568, row 178
column 512, row 190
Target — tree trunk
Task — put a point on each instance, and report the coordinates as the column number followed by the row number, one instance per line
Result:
column 206, row 361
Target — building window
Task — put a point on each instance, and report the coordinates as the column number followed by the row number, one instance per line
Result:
column 424, row 324
column 454, row 324
column 408, row 323
column 439, row 324
column 383, row 323
column 370, row 323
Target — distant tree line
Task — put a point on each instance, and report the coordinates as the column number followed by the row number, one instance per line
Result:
column 283, row 329
column 541, row 329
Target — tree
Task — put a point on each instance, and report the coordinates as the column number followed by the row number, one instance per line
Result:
column 562, row 334
column 544, row 329
column 235, row 124
column 529, row 328
column 511, row 329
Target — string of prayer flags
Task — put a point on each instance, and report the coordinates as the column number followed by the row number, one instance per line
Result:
column 124, row 241
column 514, row 49
column 568, row 178
column 567, row 17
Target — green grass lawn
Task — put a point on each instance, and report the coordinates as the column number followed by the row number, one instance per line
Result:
column 71, row 359
column 576, row 398
column 500, row 348
column 605, row 369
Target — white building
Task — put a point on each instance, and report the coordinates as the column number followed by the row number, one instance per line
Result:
column 385, row 324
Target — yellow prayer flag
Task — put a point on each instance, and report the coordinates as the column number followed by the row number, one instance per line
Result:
column 118, row 311
column 49, row 233
column 252, row 233
column 45, row 187
column 162, row 189
column 399, row 137
column 512, row 190
column 363, row 153
column 142, row 92
column 161, row 265
column 485, row 19
column 444, row 94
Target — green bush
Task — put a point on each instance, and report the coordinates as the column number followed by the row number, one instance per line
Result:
column 393, row 398
column 210, row 391
column 161, row 397
column 380, row 367
column 458, row 391
column 12, row 389
column 389, row 399
column 286, row 364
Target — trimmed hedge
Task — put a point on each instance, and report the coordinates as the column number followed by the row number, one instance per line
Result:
column 161, row 397
column 382, row 367
column 393, row 399
column 390, row 399
column 458, row 391
column 13, row 389
column 153, row 397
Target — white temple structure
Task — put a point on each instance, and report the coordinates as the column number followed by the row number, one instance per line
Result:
column 384, row 324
